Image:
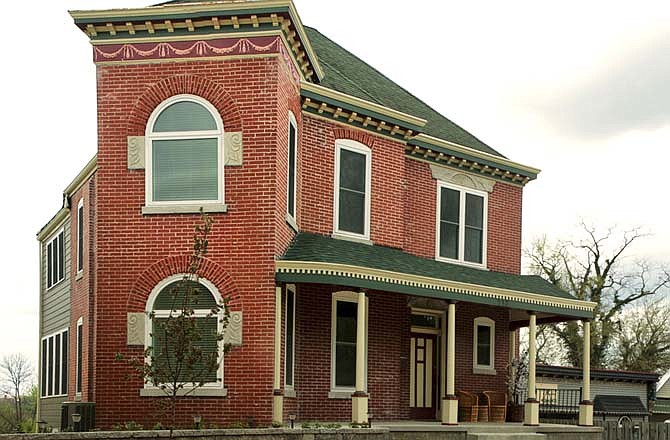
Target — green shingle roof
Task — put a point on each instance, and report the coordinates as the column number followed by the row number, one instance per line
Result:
column 346, row 73
column 308, row 247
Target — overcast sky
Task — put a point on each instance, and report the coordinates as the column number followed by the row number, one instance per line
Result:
column 578, row 89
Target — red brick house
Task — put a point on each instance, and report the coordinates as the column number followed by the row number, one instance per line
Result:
column 371, row 247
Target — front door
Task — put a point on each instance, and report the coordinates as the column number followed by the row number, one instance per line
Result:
column 423, row 376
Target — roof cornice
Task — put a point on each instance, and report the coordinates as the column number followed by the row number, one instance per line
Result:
column 205, row 18
column 308, row 89
column 477, row 157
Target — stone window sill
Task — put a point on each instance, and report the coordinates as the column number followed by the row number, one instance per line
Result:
column 360, row 239
column 484, row 370
column 288, row 392
column 184, row 209
column 200, row 392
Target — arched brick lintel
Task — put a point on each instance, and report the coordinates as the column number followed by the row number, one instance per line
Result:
column 162, row 269
column 184, row 84
column 354, row 135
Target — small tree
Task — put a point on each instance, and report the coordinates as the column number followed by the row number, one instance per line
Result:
column 176, row 362
column 16, row 380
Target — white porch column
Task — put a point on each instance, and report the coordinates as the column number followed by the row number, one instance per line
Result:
column 512, row 347
column 531, row 406
column 450, row 401
column 277, row 393
column 359, row 400
column 586, row 405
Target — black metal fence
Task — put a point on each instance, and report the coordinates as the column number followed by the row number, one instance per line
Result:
column 555, row 402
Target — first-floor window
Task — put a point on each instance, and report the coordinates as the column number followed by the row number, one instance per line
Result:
column 290, row 337
column 484, row 337
column 80, row 337
column 345, row 318
column 187, row 366
column 54, row 364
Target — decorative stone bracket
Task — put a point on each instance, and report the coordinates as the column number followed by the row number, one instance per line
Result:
column 233, row 333
column 232, row 150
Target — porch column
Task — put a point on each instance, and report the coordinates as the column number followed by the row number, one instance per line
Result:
column 359, row 400
column 586, row 406
column 277, row 393
column 450, row 401
column 512, row 347
column 532, row 406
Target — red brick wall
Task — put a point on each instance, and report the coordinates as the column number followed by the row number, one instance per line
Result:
column 388, row 181
column 388, row 354
column 81, row 289
column 404, row 197
column 246, row 93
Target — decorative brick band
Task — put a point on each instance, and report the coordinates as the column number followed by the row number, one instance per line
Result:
column 216, row 94
column 186, row 49
column 162, row 269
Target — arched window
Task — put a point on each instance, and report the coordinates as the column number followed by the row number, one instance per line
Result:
column 168, row 299
column 184, row 150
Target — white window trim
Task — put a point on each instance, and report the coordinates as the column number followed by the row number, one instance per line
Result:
column 461, row 225
column 290, row 388
column 357, row 147
column 80, row 236
column 77, row 372
column 294, row 123
column 57, row 334
column 150, row 136
column 217, row 387
column 347, row 296
column 46, row 258
column 478, row 368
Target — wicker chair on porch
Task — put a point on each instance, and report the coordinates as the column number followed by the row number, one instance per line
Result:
column 497, row 404
column 468, row 406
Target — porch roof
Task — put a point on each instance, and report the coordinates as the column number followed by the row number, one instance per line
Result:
column 312, row 258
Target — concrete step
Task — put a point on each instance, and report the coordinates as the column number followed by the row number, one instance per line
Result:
column 502, row 435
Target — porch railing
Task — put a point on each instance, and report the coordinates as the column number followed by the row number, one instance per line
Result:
column 555, row 401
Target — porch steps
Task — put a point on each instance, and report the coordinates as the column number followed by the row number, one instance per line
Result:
column 502, row 435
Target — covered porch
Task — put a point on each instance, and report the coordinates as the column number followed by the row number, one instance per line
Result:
column 368, row 332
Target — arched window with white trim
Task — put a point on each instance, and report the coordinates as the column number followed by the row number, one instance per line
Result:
column 184, row 153
column 169, row 298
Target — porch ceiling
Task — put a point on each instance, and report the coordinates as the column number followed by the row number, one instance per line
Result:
column 313, row 258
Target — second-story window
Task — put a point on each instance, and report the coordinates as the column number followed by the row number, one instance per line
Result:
column 55, row 250
column 352, row 189
column 461, row 229
column 80, row 235
column 292, row 166
column 184, row 153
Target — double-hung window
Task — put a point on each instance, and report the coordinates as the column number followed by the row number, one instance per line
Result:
column 184, row 153
column 291, row 184
column 352, row 189
column 54, row 371
column 343, row 342
column 80, row 235
column 55, row 250
column 484, row 346
column 461, row 224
